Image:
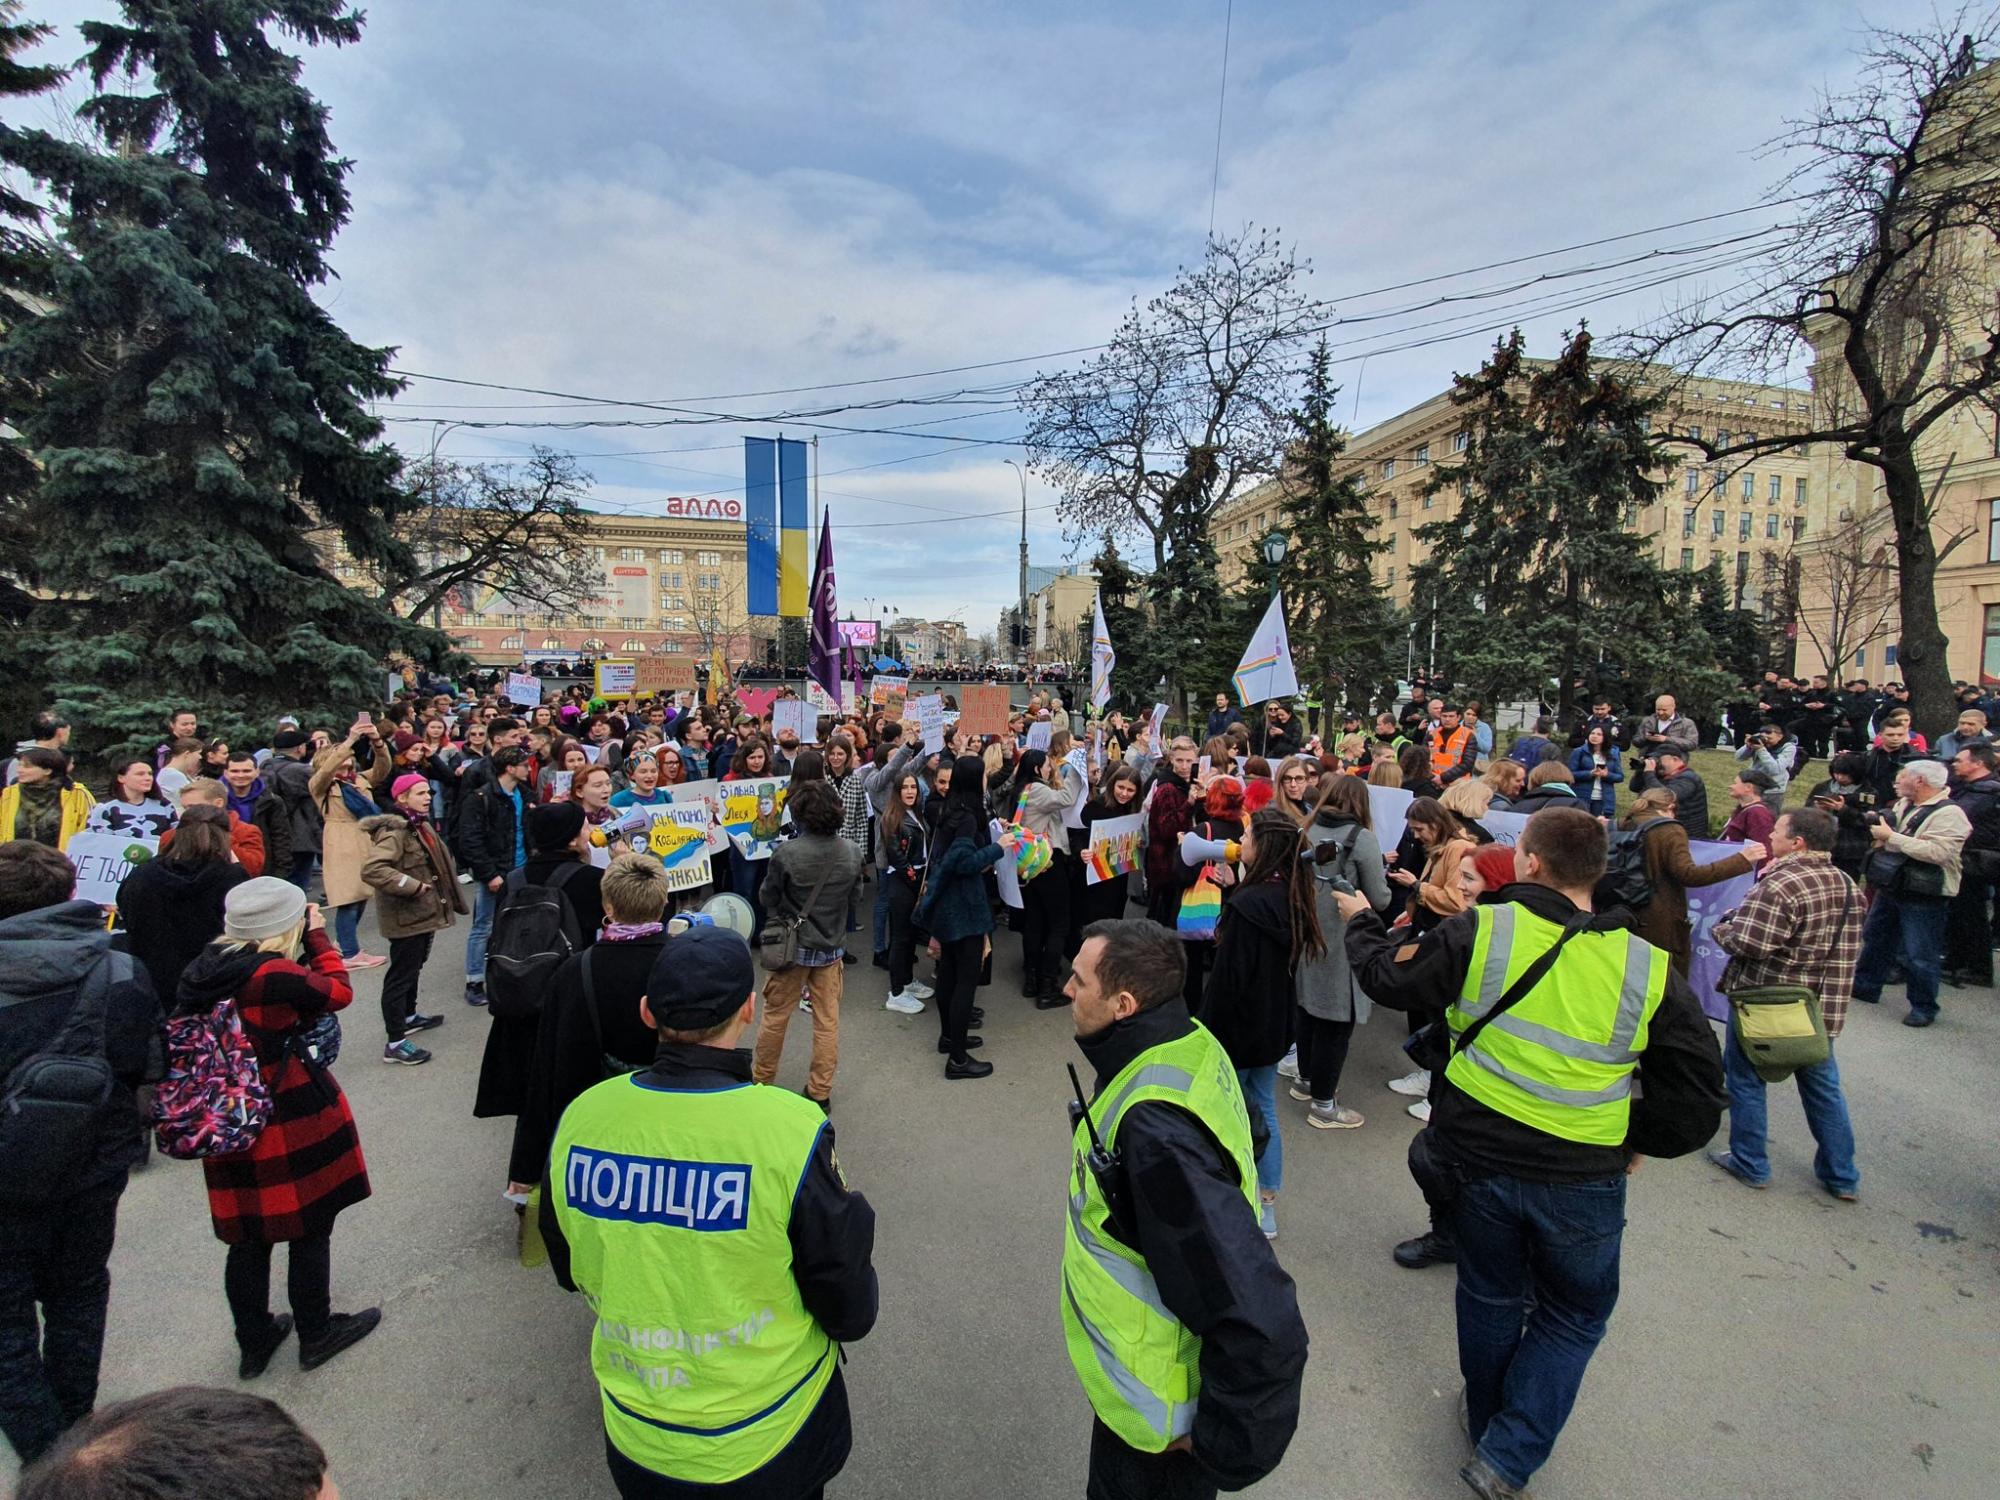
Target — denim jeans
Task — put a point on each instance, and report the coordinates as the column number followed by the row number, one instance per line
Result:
column 1260, row 1092
column 347, row 928
column 1826, row 1118
column 1912, row 931
column 301, row 872
column 484, row 900
column 1523, row 1365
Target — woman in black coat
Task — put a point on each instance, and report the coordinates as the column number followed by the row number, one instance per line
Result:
column 171, row 907
column 1118, row 796
column 1268, row 928
column 557, row 837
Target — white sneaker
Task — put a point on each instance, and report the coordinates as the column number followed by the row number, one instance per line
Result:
column 1421, row 1110
column 1416, row 1084
column 904, row 1004
column 1288, row 1065
column 920, row 991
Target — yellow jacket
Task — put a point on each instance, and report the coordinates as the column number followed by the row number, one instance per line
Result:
column 76, row 805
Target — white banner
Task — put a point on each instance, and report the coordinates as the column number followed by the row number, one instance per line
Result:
column 103, row 860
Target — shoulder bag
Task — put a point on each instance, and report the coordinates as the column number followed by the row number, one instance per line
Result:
column 1901, row 875
column 778, row 943
column 1781, row 1027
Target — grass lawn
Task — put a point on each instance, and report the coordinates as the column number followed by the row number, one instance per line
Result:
column 1717, row 768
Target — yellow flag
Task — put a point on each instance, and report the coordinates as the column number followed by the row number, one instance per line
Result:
column 718, row 673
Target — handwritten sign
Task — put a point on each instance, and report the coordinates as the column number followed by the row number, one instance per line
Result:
column 1117, row 847
column 930, row 722
column 753, row 812
column 665, row 674
column 103, row 860
column 1158, row 723
column 706, row 794
column 982, row 710
column 524, row 689
column 825, row 702
column 678, row 839
column 797, row 715
column 559, row 784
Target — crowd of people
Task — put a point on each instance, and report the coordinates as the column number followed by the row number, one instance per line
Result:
column 1269, row 914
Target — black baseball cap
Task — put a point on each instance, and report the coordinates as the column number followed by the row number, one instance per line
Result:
column 701, row 979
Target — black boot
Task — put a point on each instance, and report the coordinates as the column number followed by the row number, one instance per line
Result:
column 343, row 1331
column 1431, row 1248
column 964, row 1065
column 258, row 1357
column 1031, row 985
column 1050, row 996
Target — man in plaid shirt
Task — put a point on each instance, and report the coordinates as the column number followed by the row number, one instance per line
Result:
column 1800, row 924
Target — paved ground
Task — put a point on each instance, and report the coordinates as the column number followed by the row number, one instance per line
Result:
column 1769, row 1344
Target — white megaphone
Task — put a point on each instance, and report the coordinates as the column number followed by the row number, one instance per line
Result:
column 726, row 910
column 1196, row 850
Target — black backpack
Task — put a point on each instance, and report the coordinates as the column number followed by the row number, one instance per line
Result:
column 1625, row 881
column 52, row 1109
column 534, row 930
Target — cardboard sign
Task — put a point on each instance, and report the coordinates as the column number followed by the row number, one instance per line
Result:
column 705, row 794
column 930, row 722
column 559, row 784
column 617, row 679
column 797, row 715
column 103, row 860
column 882, row 689
column 678, row 839
column 753, row 812
column 1117, row 847
column 1077, row 766
column 1158, row 723
column 665, row 674
column 823, row 701
column 524, row 689
column 982, row 711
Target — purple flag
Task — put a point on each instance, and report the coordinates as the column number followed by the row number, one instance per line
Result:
column 823, row 653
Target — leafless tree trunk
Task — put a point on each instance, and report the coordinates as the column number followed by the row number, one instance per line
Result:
column 1884, row 270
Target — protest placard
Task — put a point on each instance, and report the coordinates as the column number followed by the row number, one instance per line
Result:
column 559, row 783
column 929, row 712
column 826, row 703
column 524, row 689
column 706, row 794
column 882, row 689
column 617, row 679
column 678, row 839
column 103, row 860
column 752, row 814
column 1117, row 847
column 982, row 711
column 1158, row 723
column 797, row 715
column 1077, row 767
column 756, row 702
column 1006, row 878
column 665, row 674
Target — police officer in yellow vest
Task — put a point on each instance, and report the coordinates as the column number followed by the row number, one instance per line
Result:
column 706, row 1221
column 1181, row 1325
column 1536, row 1122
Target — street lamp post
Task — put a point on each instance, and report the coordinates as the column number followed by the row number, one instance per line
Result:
column 1021, row 619
column 1274, row 545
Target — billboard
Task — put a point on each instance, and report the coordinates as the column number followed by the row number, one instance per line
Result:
column 702, row 508
column 858, row 632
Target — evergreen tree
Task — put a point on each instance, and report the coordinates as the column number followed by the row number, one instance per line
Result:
column 198, row 417
column 1538, row 576
column 1141, row 659
column 1184, row 595
column 1344, row 632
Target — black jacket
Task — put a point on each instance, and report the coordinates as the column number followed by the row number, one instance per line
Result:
column 1878, row 782
column 832, row 1234
column 1690, row 798
column 291, row 780
column 486, row 830
column 1249, row 1000
column 569, row 1056
column 1980, row 801
column 1851, row 844
column 45, row 957
column 1675, row 1108
column 171, row 911
column 1215, row 1270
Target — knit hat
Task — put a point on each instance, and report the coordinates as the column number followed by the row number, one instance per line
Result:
column 553, row 825
column 262, row 908
column 403, row 783
column 404, row 741
column 287, row 739
column 1495, row 864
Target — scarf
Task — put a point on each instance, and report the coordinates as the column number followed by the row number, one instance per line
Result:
column 628, row 932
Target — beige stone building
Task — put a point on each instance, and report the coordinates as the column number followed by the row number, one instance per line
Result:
column 1056, row 610
column 1747, row 517
column 673, row 583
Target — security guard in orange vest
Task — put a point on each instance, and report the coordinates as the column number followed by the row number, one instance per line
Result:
column 1553, row 1010
column 1182, row 1328
column 706, row 1221
column 1454, row 753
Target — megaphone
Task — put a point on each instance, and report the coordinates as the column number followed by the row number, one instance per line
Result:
column 1196, row 850
column 725, row 910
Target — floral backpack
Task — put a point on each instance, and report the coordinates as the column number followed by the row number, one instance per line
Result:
column 213, row 1100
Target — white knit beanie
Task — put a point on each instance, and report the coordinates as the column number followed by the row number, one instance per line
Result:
column 262, row 908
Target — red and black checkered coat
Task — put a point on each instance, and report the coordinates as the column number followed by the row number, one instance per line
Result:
column 306, row 1166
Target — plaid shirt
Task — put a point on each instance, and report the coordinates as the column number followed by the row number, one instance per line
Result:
column 1790, row 930
column 853, row 791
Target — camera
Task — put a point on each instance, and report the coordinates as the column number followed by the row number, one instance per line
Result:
column 1872, row 819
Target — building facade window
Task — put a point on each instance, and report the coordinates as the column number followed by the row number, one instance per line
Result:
column 510, row 643
column 1716, row 521
column 708, row 559
column 1459, row 440
column 1989, row 655
column 1777, row 488
column 1798, row 528
column 1993, row 530
column 711, row 581
column 1743, row 526
column 633, row 644
column 1690, row 481
column 1771, row 525
column 1694, row 431
column 672, row 556
column 1394, row 509
column 1716, row 480
column 1423, row 455
column 1798, row 492
column 1687, row 521
column 631, row 554
column 550, row 643
column 1749, row 486
column 1722, row 439
column 1687, row 559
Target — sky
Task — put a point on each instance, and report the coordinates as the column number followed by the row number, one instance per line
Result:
column 635, row 202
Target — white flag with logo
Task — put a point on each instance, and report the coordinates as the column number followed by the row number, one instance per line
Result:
column 1266, row 670
column 1102, row 657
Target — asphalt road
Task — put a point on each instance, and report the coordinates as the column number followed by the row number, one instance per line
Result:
column 1768, row 1344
